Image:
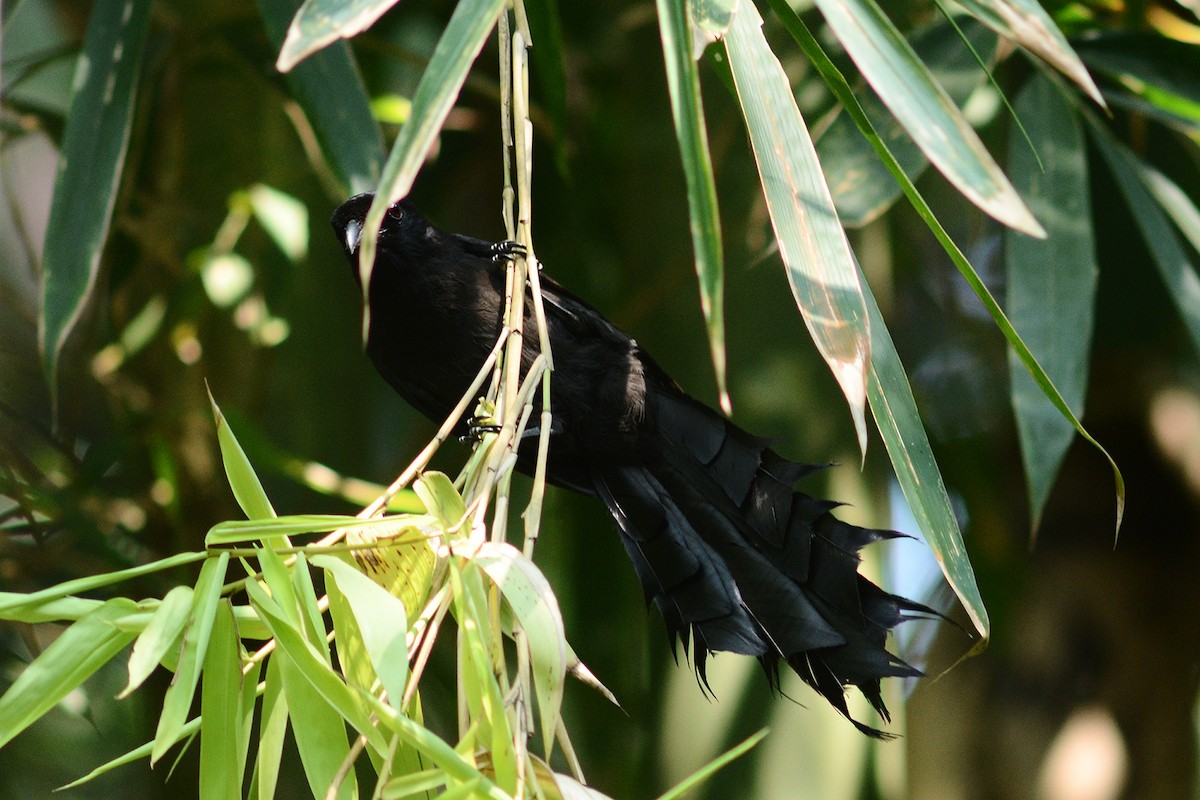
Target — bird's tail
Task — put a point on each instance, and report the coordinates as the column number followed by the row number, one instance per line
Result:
column 736, row 560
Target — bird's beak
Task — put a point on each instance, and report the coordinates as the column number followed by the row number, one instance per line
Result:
column 353, row 234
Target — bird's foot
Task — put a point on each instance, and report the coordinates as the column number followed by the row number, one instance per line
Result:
column 505, row 251
column 477, row 426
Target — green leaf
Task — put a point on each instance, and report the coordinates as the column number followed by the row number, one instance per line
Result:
column 438, row 494
column 329, row 88
column 842, row 91
column 89, row 170
column 917, row 471
column 137, row 754
column 861, row 184
column 820, row 266
column 1164, row 74
column 907, row 88
column 457, row 48
column 1051, row 282
column 533, row 604
column 311, row 666
column 704, row 773
column 1168, row 253
column 161, row 635
column 247, row 489
column 15, row 604
column 179, row 695
column 70, row 659
column 232, row 531
column 1027, row 23
column 319, row 22
column 221, row 728
column 382, row 623
column 683, row 80
column 272, row 731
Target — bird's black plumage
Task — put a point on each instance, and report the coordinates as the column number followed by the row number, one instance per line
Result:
column 733, row 557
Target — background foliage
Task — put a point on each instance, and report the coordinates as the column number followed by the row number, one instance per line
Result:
column 215, row 266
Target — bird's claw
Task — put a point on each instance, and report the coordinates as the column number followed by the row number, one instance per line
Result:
column 477, row 427
column 503, row 252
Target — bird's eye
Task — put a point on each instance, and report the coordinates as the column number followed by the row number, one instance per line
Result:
column 395, row 212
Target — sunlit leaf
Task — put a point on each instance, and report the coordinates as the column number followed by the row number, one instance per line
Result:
column 438, row 494
column 319, row 22
column 284, row 218
column 247, row 489
column 531, row 599
column 330, row 90
column 178, row 700
column 820, row 266
column 220, row 711
column 1028, row 24
column 906, row 87
column 161, row 635
column 917, row 472
column 861, row 184
column 457, row 48
column 382, row 623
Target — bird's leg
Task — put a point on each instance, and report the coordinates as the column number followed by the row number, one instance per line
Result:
column 477, row 426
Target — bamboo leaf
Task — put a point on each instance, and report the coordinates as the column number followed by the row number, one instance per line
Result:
column 861, row 184
column 221, row 729
column 70, row 659
column 179, row 695
column 164, row 631
column 247, row 489
column 320, row 22
column 1051, row 283
column 89, row 170
column 917, row 472
column 438, row 494
column 820, row 266
column 457, row 48
column 330, row 90
column 905, row 85
column 683, row 80
column 533, row 604
column 1168, row 253
column 382, row 623
column 1027, row 23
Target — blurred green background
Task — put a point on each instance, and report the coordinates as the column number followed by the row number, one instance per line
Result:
column 219, row 268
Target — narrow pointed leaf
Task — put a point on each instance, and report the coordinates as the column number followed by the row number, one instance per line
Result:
column 330, row 90
column 457, row 48
column 272, row 731
column 1027, row 23
column 78, row 652
column 438, row 494
column 905, row 85
column 247, row 488
column 320, row 22
column 820, row 266
column 160, row 636
column 843, row 93
column 382, row 622
column 137, row 754
column 1051, row 282
column 89, row 170
column 861, row 184
column 707, row 771
column 1166, row 250
column 899, row 424
column 532, row 601
column 178, row 700
column 220, row 712
column 683, row 81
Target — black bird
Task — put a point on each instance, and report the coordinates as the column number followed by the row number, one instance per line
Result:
column 731, row 555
